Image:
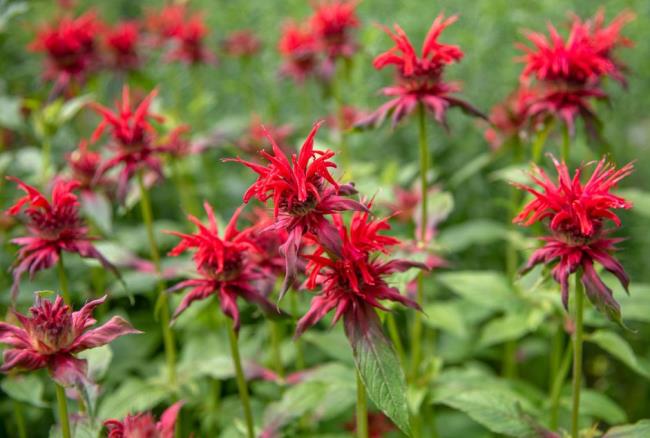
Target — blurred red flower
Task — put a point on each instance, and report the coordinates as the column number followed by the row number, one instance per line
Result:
column 510, row 119
column 352, row 282
column 132, row 138
column 332, row 23
column 241, row 44
column 303, row 193
column 54, row 226
column 53, row 334
column 576, row 214
column 299, row 48
column 144, row 425
column 70, row 46
column 257, row 137
column 122, row 43
column 167, row 22
column 225, row 266
column 419, row 78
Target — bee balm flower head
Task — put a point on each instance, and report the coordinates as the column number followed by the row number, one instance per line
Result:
column 144, row 425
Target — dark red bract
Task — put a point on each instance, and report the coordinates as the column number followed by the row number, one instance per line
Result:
column 576, row 215
column 53, row 334
column 144, row 425
column 54, row 226
column 419, row 78
column 225, row 265
column 303, row 193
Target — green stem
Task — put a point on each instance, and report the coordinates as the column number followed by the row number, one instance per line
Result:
column 344, row 151
column 184, row 187
column 577, row 354
column 241, row 379
column 162, row 304
column 394, row 336
column 20, row 419
column 540, row 141
column 63, row 280
column 46, row 160
column 300, row 355
column 566, row 143
column 509, row 365
column 275, row 330
column 63, row 411
column 416, row 333
column 556, row 387
column 362, row 409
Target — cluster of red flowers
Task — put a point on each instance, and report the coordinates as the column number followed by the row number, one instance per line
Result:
column 144, row 425
column 577, row 214
column 419, row 79
column 561, row 77
column 312, row 47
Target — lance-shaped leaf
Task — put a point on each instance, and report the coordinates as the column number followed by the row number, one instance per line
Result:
column 378, row 365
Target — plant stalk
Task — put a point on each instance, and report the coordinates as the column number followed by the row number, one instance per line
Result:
column 275, row 330
column 63, row 411
column 577, row 355
column 20, row 419
column 162, row 304
column 63, row 280
column 556, row 386
column 362, row 409
column 300, row 354
column 241, row 380
column 566, row 143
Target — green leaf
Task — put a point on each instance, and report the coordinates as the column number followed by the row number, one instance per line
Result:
column 82, row 428
column 486, row 288
column 72, row 106
column 640, row 429
column 133, row 395
column 510, row 327
column 10, row 116
column 620, row 349
column 98, row 361
column 446, row 316
column 636, row 305
column 640, row 199
column 26, row 388
column 597, row 405
column 98, row 208
column 497, row 410
column 378, row 366
column 478, row 232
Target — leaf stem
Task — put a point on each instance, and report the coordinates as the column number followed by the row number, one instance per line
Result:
column 63, row 280
column 63, row 410
column 566, row 143
column 184, row 187
column 577, row 355
column 275, row 330
column 362, row 409
column 556, row 387
column 393, row 331
column 162, row 304
column 20, row 419
column 300, row 355
column 241, row 379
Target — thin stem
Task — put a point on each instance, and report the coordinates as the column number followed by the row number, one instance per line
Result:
column 577, row 354
column 275, row 330
column 63, row 411
column 20, row 419
column 241, row 379
column 340, row 79
column 556, row 387
column 162, row 305
column 362, row 409
column 46, row 159
column 184, row 187
column 566, row 143
column 394, row 336
column 63, row 280
column 300, row 355
column 540, row 141
column 416, row 334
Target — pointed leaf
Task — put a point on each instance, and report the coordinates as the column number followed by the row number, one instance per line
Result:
column 618, row 347
column 640, row 429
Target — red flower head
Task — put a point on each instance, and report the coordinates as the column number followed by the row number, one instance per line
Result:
column 510, row 119
column 144, row 425
column 190, row 42
column 298, row 46
column 53, row 334
column 419, row 77
column 224, row 265
column 132, row 138
column 176, row 144
column 257, row 137
column 70, row 47
column 122, row 43
column 346, row 118
column 168, row 22
column 353, row 282
column 576, row 214
column 84, row 165
column 569, row 71
column 303, row 193
column 54, row 226
column 332, row 22
column 242, row 44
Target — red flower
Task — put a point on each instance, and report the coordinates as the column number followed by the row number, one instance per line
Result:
column 176, row 144
column 168, row 22
column 122, row 43
column 303, row 193
column 224, row 264
column 70, row 47
column 190, row 42
column 257, row 137
column 242, row 44
column 84, row 165
column 511, row 119
column 332, row 23
column 298, row 46
column 54, row 226
column 144, row 425
column 132, row 138
column 419, row 78
column 353, row 282
column 576, row 216
column 53, row 335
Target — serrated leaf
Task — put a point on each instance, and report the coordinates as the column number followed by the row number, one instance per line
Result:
column 640, row 429
column 378, row 365
column 26, row 388
column 497, row 410
column 620, row 349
